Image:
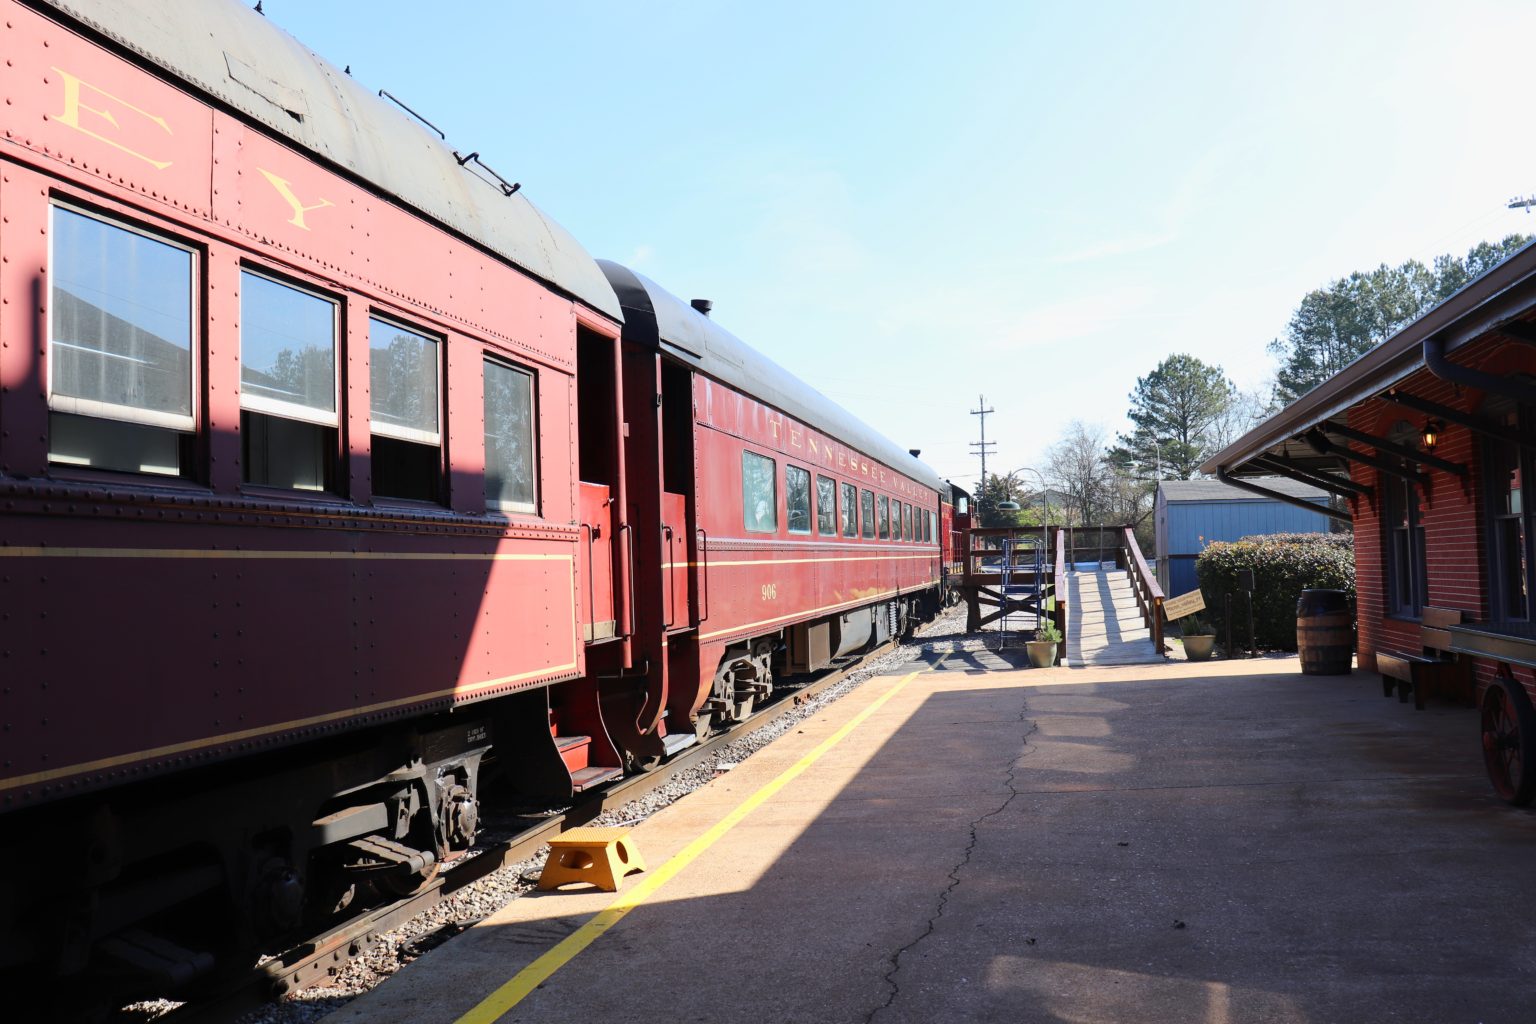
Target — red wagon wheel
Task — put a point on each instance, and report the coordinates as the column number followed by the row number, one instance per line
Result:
column 1509, row 733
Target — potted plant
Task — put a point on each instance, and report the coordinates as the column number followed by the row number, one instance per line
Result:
column 1042, row 649
column 1198, row 636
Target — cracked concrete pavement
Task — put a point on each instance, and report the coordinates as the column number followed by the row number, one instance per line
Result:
column 1216, row 843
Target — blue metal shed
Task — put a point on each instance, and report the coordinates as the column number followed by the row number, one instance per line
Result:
column 1189, row 514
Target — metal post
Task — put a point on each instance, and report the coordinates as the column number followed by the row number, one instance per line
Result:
column 1253, row 649
column 1227, row 599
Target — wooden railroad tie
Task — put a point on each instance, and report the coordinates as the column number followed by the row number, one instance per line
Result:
column 599, row 856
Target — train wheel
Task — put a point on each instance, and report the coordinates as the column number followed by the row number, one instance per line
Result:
column 1509, row 729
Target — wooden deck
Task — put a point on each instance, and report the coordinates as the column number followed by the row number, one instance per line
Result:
column 1105, row 625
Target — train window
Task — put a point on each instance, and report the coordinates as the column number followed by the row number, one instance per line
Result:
column 850, row 510
column 927, row 527
column 403, row 385
column 885, row 517
column 826, row 506
column 797, row 499
column 120, row 366
column 867, row 508
column 906, row 521
column 288, row 420
column 759, row 494
column 895, row 519
column 511, row 482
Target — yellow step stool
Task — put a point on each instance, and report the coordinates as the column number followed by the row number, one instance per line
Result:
column 601, row 856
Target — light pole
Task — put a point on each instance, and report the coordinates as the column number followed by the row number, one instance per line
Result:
column 1045, row 497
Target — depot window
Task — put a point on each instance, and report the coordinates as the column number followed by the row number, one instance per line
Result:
column 1407, row 591
column 759, row 494
column 1507, row 468
column 511, row 477
column 850, row 510
column 797, row 499
column 120, row 369
column 403, row 384
column 867, row 507
column 885, row 517
column 288, row 410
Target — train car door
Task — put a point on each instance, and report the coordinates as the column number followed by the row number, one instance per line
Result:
column 601, row 548
column 680, row 564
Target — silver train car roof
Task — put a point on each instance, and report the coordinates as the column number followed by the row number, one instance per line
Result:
column 230, row 52
column 658, row 319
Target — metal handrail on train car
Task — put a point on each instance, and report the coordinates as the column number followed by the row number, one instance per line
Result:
column 668, row 602
column 628, row 529
column 703, row 573
column 591, row 580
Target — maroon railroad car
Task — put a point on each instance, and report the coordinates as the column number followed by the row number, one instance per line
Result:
column 288, row 471
column 789, row 532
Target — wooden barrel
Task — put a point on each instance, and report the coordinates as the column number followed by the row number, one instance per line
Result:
column 1325, row 637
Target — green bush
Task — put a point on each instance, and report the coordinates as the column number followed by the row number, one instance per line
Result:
column 1283, row 564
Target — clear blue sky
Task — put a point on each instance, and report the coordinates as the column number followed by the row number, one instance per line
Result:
column 908, row 204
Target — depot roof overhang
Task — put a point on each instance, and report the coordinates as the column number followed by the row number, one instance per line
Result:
column 1496, row 303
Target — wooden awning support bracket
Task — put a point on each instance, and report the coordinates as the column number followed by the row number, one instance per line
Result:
column 1478, row 424
column 1311, row 506
column 1332, row 484
column 1381, row 444
column 1320, row 444
column 1442, row 367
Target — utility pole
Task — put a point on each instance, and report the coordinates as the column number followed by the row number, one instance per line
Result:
column 1522, row 203
column 984, row 447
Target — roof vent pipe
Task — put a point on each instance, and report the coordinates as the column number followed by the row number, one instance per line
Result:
column 702, row 305
column 1440, row 366
column 915, row 452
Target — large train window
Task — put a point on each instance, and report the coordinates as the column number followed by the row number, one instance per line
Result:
column 511, row 482
column 403, row 387
column 120, row 367
column 885, row 517
column 850, row 510
column 797, row 498
column 906, row 521
column 826, row 506
column 867, row 507
column 895, row 519
column 288, row 407
column 927, row 527
column 759, row 494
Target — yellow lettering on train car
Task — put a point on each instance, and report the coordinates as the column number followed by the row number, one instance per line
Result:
column 285, row 190
column 770, row 591
column 73, row 106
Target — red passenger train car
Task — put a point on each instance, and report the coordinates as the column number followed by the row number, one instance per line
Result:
column 336, row 478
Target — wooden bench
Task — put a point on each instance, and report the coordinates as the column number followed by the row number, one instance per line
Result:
column 1435, row 668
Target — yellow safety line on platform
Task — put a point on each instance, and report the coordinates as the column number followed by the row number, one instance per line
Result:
column 535, row 974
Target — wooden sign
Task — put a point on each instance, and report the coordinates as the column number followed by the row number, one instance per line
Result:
column 1184, row 604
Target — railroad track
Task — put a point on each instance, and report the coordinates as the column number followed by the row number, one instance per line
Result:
column 322, row 956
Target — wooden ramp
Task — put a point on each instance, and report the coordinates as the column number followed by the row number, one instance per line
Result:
column 1105, row 625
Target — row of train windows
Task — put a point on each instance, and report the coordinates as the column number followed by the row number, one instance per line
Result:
column 860, row 513
column 122, row 373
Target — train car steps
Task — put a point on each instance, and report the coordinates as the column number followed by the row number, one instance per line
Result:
column 598, row 856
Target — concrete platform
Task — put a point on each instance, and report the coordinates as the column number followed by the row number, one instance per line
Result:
column 1211, row 843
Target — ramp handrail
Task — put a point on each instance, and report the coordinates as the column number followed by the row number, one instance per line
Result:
column 1059, row 592
column 1149, row 596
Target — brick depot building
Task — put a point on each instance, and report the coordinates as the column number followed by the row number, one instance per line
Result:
column 1428, row 440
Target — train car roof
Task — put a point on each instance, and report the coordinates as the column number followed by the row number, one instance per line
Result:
column 655, row 317
column 230, row 52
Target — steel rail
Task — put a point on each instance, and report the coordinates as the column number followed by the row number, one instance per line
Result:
column 316, row 959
